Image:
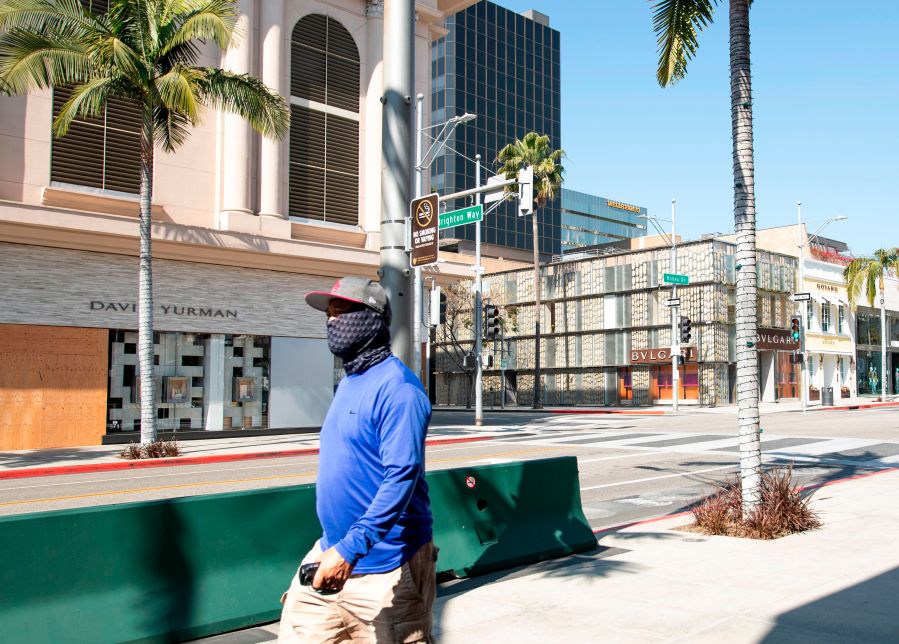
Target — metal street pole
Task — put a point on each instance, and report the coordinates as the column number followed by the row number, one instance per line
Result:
column 396, row 168
column 675, row 340
column 416, row 272
column 883, row 342
column 478, row 326
column 803, row 322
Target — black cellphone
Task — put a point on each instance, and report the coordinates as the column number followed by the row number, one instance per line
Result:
column 307, row 573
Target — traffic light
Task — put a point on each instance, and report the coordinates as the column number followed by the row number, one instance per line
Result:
column 491, row 322
column 686, row 328
column 796, row 328
column 526, row 191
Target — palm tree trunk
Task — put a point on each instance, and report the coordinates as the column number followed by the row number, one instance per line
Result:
column 538, row 402
column 145, row 288
column 883, row 340
column 744, row 222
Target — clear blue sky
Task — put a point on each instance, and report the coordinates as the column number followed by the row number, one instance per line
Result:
column 826, row 102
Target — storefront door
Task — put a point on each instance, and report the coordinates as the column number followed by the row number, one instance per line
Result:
column 787, row 375
column 662, row 383
column 625, row 385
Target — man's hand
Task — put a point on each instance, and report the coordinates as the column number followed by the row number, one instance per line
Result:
column 333, row 571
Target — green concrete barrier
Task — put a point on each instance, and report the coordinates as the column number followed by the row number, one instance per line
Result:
column 158, row 571
column 495, row 517
column 177, row 569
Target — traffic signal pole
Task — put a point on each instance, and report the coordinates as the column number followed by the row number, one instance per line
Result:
column 478, row 307
column 675, row 331
column 803, row 322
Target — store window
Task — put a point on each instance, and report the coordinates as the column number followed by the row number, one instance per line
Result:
column 625, row 384
column 868, row 372
column 825, row 318
column 841, row 319
column 192, row 371
column 324, row 129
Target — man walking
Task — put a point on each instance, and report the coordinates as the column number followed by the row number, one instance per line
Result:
column 375, row 580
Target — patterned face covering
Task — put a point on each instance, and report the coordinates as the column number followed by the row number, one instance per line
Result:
column 360, row 338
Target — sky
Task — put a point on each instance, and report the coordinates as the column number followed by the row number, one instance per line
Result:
column 825, row 88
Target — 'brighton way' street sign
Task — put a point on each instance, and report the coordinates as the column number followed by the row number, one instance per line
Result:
column 461, row 217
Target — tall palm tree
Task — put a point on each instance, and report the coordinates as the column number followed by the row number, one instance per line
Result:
column 864, row 275
column 677, row 24
column 144, row 52
column 535, row 150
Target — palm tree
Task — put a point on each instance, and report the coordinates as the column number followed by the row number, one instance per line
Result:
column 534, row 150
column 144, row 52
column 864, row 275
column 677, row 24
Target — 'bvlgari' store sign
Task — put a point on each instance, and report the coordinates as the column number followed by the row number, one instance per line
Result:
column 776, row 339
column 660, row 356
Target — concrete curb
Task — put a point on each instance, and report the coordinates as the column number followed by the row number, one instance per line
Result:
column 89, row 468
column 859, row 406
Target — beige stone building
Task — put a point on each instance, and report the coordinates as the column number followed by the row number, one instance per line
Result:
column 242, row 227
column 606, row 330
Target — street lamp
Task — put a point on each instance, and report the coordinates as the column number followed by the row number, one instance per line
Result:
column 803, row 242
column 422, row 162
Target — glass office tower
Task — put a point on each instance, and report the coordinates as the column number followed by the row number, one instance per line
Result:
column 588, row 220
column 503, row 67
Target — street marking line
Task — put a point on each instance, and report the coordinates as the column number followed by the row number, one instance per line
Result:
column 664, row 476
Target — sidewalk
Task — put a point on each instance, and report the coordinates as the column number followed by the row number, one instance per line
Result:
column 651, row 583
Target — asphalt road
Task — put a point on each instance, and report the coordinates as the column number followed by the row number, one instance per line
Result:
column 631, row 467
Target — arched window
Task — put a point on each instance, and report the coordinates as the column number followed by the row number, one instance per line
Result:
column 324, row 128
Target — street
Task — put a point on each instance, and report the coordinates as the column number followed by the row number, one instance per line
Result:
column 632, row 467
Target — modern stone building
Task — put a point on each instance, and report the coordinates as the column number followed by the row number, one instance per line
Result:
column 242, row 227
column 606, row 330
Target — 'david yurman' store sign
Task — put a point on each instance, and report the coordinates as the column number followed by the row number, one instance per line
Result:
column 660, row 356
column 776, row 339
column 166, row 309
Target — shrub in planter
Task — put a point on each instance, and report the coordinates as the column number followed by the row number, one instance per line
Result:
column 156, row 449
column 782, row 510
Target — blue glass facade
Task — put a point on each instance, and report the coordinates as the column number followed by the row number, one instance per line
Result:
column 504, row 68
column 588, row 220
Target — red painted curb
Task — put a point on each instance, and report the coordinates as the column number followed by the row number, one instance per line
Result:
column 852, row 407
column 648, row 412
column 33, row 472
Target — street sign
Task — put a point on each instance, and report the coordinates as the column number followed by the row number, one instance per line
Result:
column 461, row 217
column 424, row 230
column 801, row 297
column 672, row 301
column 497, row 195
column 674, row 278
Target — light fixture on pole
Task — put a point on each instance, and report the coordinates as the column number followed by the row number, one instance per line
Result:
column 803, row 242
column 422, row 162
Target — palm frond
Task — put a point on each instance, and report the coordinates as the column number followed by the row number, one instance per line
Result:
column 248, row 97
column 87, row 99
column 677, row 24
column 31, row 61
column 179, row 91
column 59, row 17
column 170, row 128
column 214, row 20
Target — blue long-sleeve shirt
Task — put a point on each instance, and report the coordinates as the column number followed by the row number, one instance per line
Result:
column 371, row 495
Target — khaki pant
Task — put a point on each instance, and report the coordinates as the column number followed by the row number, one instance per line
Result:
column 386, row 608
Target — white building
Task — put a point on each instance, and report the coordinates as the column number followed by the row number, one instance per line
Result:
column 242, row 227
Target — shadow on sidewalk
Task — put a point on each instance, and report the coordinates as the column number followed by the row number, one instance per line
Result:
column 58, row 456
column 865, row 612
